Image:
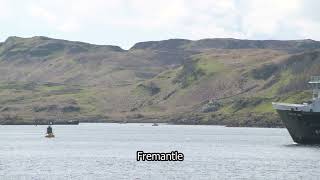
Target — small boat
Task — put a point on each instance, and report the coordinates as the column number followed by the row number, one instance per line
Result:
column 50, row 135
column 155, row 124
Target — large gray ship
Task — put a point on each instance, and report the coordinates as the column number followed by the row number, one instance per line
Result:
column 303, row 120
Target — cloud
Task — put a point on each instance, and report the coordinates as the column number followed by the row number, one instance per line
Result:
column 4, row 9
column 308, row 23
column 95, row 20
column 266, row 17
column 44, row 14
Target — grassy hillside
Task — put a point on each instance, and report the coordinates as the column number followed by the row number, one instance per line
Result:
column 214, row 88
column 212, row 81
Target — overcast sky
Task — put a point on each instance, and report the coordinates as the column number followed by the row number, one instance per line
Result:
column 125, row 22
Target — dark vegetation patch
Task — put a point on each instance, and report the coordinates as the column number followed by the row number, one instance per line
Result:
column 211, row 106
column 150, row 88
column 265, row 71
column 272, row 81
column 246, row 102
column 71, row 108
column 302, row 67
column 188, row 74
column 144, row 75
column 47, row 108
column 56, row 108
column 19, row 86
column 47, row 49
column 65, row 91
column 135, row 116
column 7, row 108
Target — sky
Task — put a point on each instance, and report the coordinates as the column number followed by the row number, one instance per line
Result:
column 125, row 22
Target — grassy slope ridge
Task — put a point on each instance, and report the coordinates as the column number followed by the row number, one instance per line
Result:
column 210, row 81
column 213, row 88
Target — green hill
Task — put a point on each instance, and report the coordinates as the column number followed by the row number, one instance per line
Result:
column 210, row 81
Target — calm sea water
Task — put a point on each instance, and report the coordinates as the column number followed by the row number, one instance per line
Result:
column 108, row 151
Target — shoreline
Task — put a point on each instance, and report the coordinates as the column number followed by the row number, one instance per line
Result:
column 139, row 122
column 246, row 120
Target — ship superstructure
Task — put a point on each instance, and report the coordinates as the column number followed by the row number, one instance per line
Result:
column 303, row 120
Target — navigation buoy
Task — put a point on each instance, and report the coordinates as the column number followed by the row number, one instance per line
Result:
column 49, row 132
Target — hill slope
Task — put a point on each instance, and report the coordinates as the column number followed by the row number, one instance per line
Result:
column 210, row 81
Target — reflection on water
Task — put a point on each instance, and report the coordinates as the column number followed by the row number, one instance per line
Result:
column 100, row 151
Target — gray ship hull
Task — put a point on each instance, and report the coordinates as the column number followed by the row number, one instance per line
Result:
column 304, row 127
